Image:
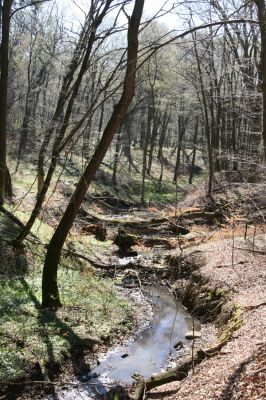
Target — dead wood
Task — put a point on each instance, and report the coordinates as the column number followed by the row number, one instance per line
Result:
column 175, row 374
column 263, row 253
column 201, row 214
column 157, row 221
column 151, row 242
column 178, row 373
column 253, row 307
column 93, row 262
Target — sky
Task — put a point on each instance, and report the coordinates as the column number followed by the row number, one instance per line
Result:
column 151, row 7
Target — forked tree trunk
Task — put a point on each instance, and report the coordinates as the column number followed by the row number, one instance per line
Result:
column 50, row 293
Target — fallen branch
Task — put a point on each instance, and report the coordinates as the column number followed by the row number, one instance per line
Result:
column 252, row 251
column 200, row 214
column 253, row 307
column 93, row 262
column 175, row 374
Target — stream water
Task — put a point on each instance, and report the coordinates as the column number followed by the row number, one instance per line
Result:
column 146, row 355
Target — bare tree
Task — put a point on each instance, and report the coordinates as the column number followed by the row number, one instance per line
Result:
column 50, row 293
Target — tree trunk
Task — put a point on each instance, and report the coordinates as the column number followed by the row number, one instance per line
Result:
column 182, row 126
column 6, row 9
column 160, row 156
column 207, row 125
column 117, row 156
column 127, row 144
column 154, row 133
column 262, row 23
column 194, row 150
column 50, row 293
column 145, row 153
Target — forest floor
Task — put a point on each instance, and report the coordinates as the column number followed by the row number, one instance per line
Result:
column 238, row 371
column 35, row 344
column 237, row 265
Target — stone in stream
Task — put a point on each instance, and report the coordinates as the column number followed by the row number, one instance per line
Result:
column 192, row 335
column 179, row 345
column 84, row 378
column 124, row 355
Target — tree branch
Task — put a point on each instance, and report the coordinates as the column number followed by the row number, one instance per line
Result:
column 32, row 3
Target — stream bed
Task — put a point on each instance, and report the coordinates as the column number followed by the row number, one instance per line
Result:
column 148, row 353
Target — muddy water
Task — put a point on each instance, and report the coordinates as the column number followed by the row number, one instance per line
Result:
column 147, row 354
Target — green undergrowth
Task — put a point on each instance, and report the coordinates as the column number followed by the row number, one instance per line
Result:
column 129, row 182
column 92, row 313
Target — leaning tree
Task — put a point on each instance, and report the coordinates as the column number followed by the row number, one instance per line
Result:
column 50, row 292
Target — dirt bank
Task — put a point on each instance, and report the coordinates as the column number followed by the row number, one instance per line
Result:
column 224, row 282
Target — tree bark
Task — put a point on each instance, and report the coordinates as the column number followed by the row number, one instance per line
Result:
column 6, row 11
column 194, row 150
column 118, row 146
column 50, row 293
column 206, row 118
column 262, row 23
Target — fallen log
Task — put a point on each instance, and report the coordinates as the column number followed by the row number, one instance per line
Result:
column 164, row 242
column 177, row 373
column 201, row 214
column 156, row 221
column 90, row 216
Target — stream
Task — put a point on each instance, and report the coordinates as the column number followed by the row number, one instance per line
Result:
column 148, row 353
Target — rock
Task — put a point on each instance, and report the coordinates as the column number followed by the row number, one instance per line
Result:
column 179, row 345
column 124, row 355
column 84, row 378
column 94, row 375
column 130, row 282
column 192, row 335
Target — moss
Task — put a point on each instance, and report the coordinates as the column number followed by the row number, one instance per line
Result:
column 233, row 323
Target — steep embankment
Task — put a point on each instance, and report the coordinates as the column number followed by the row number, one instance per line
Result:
column 227, row 284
